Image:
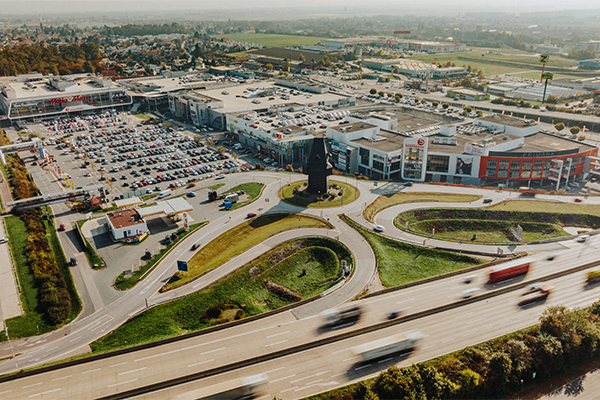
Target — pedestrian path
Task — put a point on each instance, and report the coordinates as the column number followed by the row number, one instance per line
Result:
column 10, row 302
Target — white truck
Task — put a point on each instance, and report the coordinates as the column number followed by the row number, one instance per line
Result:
column 233, row 198
column 386, row 346
column 164, row 193
column 249, row 387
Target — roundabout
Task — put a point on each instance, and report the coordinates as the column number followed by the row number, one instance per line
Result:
column 338, row 194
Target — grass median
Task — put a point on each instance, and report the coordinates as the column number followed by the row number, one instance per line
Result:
column 237, row 240
column 123, row 283
column 252, row 189
column 216, row 186
column 304, row 267
column 390, row 200
column 350, row 193
column 399, row 263
column 90, row 253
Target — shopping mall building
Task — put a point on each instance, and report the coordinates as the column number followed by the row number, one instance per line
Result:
column 34, row 96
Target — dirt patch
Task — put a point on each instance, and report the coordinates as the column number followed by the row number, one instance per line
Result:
column 282, row 292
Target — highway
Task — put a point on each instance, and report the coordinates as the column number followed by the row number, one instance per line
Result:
column 277, row 332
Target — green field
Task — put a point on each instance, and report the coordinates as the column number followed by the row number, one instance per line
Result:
column 271, row 40
column 306, row 266
column 400, row 263
column 252, row 189
column 488, row 68
column 385, row 201
column 536, row 75
column 237, row 240
column 351, row 193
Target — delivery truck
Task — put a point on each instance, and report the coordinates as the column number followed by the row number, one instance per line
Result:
column 510, row 269
column 164, row 193
column 402, row 343
column 337, row 316
column 249, row 387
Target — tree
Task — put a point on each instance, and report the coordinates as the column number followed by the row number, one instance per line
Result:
column 209, row 143
column 575, row 130
column 468, row 109
column 445, row 105
column 221, row 149
column 373, row 91
column 167, row 125
column 285, row 66
column 560, row 126
column 423, row 101
column 88, row 67
column 398, row 97
column 234, row 156
column 380, row 93
column 435, row 103
column 499, row 372
column 301, row 57
column 269, row 67
column 479, row 113
column 552, row 100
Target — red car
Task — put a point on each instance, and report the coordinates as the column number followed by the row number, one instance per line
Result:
column 251, row 215
column 578, row 200
column 61, row 227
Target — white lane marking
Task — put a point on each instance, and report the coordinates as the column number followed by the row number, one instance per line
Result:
column 301, row 379
column 71, row 341
column 52, row 348
column 203, row 362
column 49, row 391
column 287, row 390
column 116, row 365
column 6, row 391
column 121, row 383
column 313, row 382
column 212, row 351
column 35, row 384
column 150, row 284
column 273, row 344
column 351, row 358
column 343, row 373
column 280, row 379
column 91, row 370
column 273, row 370
column 364, row 366
column 340, row 351
column 387, row 359
column 59, row 379
column 134, row 370
column 321, row 373
column 277, row 334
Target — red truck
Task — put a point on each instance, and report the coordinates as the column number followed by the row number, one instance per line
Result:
column 510, row 269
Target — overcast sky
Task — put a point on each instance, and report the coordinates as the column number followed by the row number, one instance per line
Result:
column 315, row 6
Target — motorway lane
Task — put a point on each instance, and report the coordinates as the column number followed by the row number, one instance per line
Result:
column 323, row 368
column 284, row 330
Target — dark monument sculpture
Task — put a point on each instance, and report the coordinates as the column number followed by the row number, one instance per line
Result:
column 318, row 167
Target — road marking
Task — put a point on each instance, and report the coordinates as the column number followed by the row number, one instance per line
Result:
column 6, row 391
column 49, row 391
column 280, row 379
column 273, row 344
column 301, row 379
column 169, row 352
column 351, row 358
column 340, row 351
column 50, row 349
column 273, row 370
column 364, row 366
column 212, row 351
column 340, row 374
column 277, row 334
column 35, row 384
column 321, row 373
column 121, row 383
column 203, row 362
column 91, row 370
column 59, row 379
column 387, row 359
column 135, row 370
column 287, row 390
column 116, row 365
column 71, row 341
column 313, row 382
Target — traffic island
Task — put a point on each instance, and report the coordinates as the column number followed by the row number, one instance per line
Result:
column 338, row 194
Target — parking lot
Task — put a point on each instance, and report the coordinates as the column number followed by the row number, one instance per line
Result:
column 127, row 157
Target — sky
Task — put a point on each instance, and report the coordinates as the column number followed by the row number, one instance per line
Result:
column 311, row 6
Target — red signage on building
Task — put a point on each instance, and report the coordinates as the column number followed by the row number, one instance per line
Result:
column 68, row 99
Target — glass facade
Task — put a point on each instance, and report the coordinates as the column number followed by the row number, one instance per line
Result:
column 56, row 105
column 503, row 169
column 490, row 171
column 436, row 163
column 515, row 168
column 364, row 156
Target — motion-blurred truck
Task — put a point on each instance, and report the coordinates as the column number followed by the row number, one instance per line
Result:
column 387, row 346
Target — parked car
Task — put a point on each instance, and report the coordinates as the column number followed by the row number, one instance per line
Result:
column 61, row 227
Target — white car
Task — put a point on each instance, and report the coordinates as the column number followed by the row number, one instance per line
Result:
column 583, row 238
column 221, row 176
column 378, row 228
column 468, row 293
column 3, row 240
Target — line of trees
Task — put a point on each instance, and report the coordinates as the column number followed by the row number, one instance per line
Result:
column 494, row 369
column 57, row 60
column 53, row 295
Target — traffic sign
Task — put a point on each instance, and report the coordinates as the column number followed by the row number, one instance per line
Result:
column 544, row 58
column 182, row 266
column 547, row 75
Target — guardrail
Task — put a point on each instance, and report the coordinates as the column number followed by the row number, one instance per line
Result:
column 332, row 339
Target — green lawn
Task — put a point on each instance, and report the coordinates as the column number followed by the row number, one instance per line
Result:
column 238, row 240
column 252, row 189
column 216, row 186
column 123, row 283
column 536, row 75
column 143, row 116
column 389, row 200
column 491, row 224
column 240, row 294
column 351, row 193
column 488, row 68
column 32, row 322
column 400, row 263
column 90, row 253
column 271, row 40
